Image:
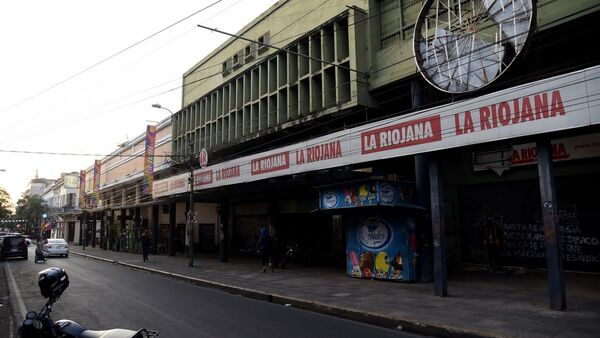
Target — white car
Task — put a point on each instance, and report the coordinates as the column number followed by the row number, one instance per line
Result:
column 56, row 247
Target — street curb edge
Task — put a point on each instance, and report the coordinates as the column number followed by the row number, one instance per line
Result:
column 408, row 325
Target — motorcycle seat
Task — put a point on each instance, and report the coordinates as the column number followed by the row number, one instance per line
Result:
column 114, row 333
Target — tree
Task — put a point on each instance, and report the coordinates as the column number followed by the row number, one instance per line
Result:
column 31, row 208
column 6, row 206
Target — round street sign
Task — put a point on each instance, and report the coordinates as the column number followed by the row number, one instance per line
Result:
column 203, row 158
column 192, row 217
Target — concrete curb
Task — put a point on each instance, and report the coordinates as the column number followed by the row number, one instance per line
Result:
column 405, row 324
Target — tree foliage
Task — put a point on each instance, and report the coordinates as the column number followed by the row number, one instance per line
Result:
column 5, row 204
column 31, row 208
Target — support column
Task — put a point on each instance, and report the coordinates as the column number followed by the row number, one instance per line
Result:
column 188, row 229
column 223, row 230
column 172, row 225
column 556, row 279
column 123, row 220
column 81, row 229
column 438, row 231
column 424, row 226
column 102, row 231
column 154, row 224
column 137, row 220
column 122, row 231
column 93, row 234
column 423, row 231
column 111, row 235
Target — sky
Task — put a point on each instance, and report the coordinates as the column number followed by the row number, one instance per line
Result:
column 80, row 77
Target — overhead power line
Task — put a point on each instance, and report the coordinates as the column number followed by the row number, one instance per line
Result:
column 283, row 50
column 30, row 152
column 105, row 59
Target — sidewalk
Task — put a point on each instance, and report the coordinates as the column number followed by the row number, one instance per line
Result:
column 479, row 304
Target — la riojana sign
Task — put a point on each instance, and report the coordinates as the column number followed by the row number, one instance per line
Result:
column 558, row 103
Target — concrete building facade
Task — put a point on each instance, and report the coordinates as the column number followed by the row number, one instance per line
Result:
column 313, row 94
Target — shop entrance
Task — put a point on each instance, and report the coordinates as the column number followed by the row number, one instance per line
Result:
column 515, row 208
column 71, row 235
column 319, row 238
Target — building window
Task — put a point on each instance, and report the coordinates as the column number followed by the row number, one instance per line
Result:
column 397, row 20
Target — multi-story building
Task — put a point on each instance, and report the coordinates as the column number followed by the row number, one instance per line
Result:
column 37, row 186
column 115, row 200
column 65, row 205
column 489, row 107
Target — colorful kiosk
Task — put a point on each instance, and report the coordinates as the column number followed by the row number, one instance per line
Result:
column 379, row 218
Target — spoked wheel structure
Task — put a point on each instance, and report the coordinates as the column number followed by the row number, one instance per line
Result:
column 463, row 45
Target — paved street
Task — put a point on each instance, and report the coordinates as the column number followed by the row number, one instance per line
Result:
column 479, row 304
column 103, row 295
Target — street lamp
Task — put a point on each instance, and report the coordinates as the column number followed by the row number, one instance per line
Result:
column 158, row 106
column 191, row 216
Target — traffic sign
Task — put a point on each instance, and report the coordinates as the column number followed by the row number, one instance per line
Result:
column 192, row 217
column 203, row 158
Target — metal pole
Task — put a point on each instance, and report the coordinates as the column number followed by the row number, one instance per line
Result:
column 223, row 229
column 191, row 211
column 438, row 230
column 556, row 279
column 85, row 227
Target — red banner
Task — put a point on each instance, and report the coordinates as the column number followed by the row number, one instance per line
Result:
column 149, row 160
column 96, row 183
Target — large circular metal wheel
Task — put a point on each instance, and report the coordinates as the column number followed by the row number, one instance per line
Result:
column 463, row 45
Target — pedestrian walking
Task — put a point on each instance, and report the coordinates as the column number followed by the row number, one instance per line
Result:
column 39, row 251
column 492, row 240
column 145, row 240
column 265, row 243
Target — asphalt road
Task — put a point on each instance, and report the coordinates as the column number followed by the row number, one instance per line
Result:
column 103, row 295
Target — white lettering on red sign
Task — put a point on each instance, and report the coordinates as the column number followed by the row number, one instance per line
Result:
column 227, row 173
column 402, row 135
column 529, row 154
column 203, row 178
column 520, row 110
column 280, row 161
column 319, row 152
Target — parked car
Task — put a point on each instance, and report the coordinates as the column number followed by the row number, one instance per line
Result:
column 13, row 246
column 56, row 247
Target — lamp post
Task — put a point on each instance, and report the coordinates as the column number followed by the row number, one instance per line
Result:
column 158, row 106
column 191, row 216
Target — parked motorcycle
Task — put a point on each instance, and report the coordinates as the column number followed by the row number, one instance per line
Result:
column 291, row 250
column 53, row 282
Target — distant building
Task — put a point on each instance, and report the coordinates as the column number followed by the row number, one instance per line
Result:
column 37, row 186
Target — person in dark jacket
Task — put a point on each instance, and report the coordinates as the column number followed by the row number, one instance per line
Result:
column 492, row 240
column 145, row 240
column 39, row 250
column 265, row 244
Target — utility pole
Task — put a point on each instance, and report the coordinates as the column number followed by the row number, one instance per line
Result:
column 191, row 216
column 85, row 228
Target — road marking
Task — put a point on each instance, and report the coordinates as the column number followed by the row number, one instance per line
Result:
column 13, row 285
